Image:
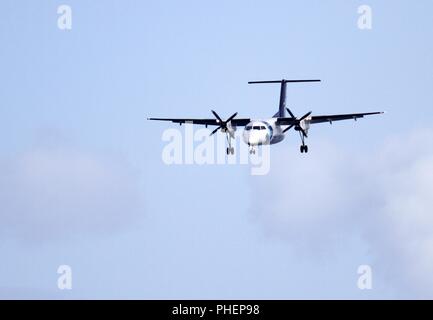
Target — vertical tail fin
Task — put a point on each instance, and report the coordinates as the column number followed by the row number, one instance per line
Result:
column 282, row 105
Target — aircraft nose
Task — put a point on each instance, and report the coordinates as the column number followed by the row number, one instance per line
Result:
column 253, row 140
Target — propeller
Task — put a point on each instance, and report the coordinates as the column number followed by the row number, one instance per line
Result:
column 222, row 123
column 291, row 114
column 288, row 128
column 297, row 122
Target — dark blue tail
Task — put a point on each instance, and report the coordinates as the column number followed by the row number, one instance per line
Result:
column 282, row 105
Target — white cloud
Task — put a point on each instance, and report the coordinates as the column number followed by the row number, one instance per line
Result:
column 319, row 200
column 59, row 192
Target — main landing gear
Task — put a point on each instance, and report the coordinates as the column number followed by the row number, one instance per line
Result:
column 230, row 149
column 304, row 147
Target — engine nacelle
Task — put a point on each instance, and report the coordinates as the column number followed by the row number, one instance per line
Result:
column 305, row 125
column 231, row 129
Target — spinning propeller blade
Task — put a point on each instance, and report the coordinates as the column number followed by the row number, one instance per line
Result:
column 221, row 122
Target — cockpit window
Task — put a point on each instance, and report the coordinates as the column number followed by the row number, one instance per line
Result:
column 255, row 128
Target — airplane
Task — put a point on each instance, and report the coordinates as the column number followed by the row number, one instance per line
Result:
column 271, row 130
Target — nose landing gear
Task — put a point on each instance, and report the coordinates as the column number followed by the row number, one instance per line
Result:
column 251, row 149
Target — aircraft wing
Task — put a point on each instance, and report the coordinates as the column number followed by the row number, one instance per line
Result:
column 206, row 122
column 338, row 117
column 286, row 121
column 326, row 118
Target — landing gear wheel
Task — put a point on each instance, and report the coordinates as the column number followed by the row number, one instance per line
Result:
column 301, row 149
column 306, row 149
column 230, row 150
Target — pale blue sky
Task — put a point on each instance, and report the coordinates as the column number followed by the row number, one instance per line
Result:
column 70, row 98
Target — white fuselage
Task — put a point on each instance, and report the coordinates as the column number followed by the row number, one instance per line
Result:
column 259, row 132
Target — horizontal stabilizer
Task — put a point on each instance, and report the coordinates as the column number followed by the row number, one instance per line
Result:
column 283, row 81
